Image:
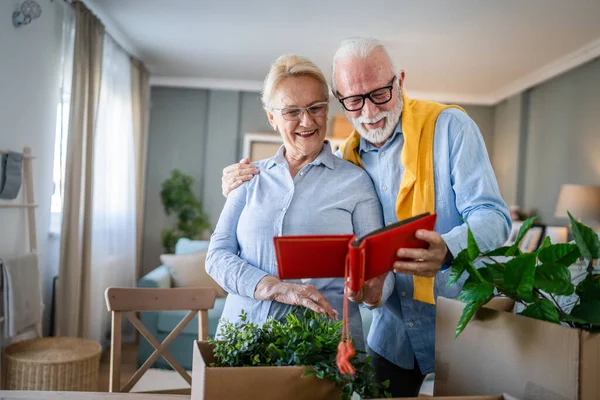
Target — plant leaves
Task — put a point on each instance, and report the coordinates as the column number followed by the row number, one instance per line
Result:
column 474, row 291
column 563, row 254
column 472, row 248
column 588, row 311
column 589, row 289
column 519, row 274
column 545, row 310
column 468, row 312
column 522, row 231
column 570, row 318
column 587, row 240
column 495, row 273
column 501, row 251
column 546, row 243
column 178, row 197
column 303, row 338
column 554, row 278
column 459, row 265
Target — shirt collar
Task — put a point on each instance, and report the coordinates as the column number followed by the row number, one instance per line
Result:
column 365, row 146
column 325, row 157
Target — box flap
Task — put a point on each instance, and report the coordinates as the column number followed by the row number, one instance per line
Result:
column 198, row 370
column 499, row 352
column 589, row 368
column 501, row 304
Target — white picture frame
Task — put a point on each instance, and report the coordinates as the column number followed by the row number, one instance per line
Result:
column 258, row 146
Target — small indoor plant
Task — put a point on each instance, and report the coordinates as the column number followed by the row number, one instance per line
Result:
column 179, row 199
column 305, row 338
column 533, row 279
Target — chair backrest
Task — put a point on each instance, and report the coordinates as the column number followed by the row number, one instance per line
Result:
column 128, row 301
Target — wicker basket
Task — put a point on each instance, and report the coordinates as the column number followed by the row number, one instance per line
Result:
column 55, row 363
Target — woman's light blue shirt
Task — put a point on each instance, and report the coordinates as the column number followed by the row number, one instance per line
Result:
column 327, row 196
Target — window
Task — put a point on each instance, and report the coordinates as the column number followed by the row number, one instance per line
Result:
column 62, row 124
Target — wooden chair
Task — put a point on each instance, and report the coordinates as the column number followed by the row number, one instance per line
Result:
column 128, row 301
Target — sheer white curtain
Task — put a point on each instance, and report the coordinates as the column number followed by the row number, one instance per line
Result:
column 113, row 258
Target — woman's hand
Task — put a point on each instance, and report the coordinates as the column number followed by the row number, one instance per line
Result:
column 235, row 174
column 271, row 288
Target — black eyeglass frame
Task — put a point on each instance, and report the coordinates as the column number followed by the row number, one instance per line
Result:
column 389, row 87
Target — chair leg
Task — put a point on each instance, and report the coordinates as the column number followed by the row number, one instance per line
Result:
column 115, row 353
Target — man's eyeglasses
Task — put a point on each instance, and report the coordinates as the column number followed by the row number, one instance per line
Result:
column 377, row 96
column 295, row 113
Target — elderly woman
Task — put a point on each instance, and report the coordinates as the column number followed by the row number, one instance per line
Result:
column 304, row 189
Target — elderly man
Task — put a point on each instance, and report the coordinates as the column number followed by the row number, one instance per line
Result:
column 421, row 156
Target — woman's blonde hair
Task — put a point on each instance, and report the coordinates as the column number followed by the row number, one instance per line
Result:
column 287, row 66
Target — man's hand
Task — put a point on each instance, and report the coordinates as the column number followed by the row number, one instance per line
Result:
column 271, row 288
column 423, row 262
column 235, row 174
column 370, row 293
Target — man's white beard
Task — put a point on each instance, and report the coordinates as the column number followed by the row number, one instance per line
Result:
column 378, row 135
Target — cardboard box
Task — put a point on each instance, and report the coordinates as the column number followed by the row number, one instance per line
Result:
column 500, row 352
column 253, row 383
column 503, row 397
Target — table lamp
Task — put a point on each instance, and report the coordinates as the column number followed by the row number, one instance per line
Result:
column 583, row 202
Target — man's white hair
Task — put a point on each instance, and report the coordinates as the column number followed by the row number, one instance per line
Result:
column 357, row 48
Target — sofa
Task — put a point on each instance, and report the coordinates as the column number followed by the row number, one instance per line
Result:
column 161, row 323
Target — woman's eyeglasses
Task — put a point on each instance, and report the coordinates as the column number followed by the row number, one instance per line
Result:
column 295, row 113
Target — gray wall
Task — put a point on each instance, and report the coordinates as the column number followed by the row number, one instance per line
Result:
column 484, row 118
column 505, row 145
column 199, row 132
column 554, row 129
column 563, row 142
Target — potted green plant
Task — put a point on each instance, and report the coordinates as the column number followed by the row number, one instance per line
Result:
column 304, row 339
column 533, row 279
column 179, row 199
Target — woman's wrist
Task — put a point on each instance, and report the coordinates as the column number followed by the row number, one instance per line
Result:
column 268, row 288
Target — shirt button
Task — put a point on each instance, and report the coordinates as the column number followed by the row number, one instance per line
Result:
column 382, row 153
column 384, row 188
column 410, row 325
column 301, row 173
column 283, row 209
column 389, row 223
column 403, row 293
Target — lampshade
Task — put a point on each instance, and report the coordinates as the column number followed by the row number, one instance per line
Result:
column 583, row 202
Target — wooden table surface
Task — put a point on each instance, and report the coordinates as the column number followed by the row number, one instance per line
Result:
column 33, row 395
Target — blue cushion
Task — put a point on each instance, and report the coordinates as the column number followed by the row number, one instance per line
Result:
column 159, row 277
column 187, row 246
column 168, row 320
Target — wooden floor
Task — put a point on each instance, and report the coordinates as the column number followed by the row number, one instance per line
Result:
column 128, row 366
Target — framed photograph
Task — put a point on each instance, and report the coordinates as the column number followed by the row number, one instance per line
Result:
column 532, row 240
column 258, row 146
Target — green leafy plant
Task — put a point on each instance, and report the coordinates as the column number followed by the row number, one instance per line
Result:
column 305, row 338
column 179, row 199
column 533, row 279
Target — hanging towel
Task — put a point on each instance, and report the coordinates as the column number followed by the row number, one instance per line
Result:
column 10, row 180
column 21, row 294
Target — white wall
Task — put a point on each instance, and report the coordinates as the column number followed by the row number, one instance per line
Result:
column 29, row 93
